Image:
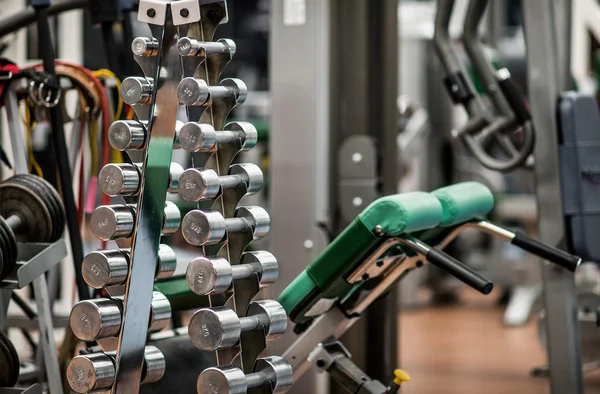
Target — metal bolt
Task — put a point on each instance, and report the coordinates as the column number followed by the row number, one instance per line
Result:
column 308, row 244
column 356, row 157
column 357, row 201
column 184, row 12
column 151, row 12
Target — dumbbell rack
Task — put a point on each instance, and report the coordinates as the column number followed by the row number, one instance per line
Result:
column 165, row 60
column 35, row 389
column 34, row 261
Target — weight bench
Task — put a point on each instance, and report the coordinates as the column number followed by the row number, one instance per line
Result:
column 391, row 237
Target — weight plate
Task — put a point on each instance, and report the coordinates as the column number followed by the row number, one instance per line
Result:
column 60, row 219
column 18, row 198
column 8, row 245
column 9, row 362
column 50, row 197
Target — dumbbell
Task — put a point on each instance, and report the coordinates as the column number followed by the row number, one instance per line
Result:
column 229, row 380
column 144, row 46
column 198, row 184
column 117, row 221
column 202, row 137
column 187, row 46
column 30, row 211
column 106, row 268
column 131, row 134
column 96, row 371
column 102, row 317
column 137, row 90
column 210, row 227
column 208, row 275
column 217, row 328
column 124, row 179
column 195, row 91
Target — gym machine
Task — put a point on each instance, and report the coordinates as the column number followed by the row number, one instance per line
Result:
column 182, row 65
column 390, row 238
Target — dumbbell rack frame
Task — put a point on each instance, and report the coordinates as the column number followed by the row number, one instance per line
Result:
column 35, row 389
column 35, row 259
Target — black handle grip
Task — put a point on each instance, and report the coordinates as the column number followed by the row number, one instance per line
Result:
column 459, row 270
column 515, row 99
column 546, row 252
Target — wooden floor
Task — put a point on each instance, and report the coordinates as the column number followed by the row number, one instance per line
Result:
column 467, row 350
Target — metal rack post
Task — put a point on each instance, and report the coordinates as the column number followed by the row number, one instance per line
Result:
column 544, row 36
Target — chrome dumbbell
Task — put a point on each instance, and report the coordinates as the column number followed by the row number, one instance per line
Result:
column 195, row 91
column 202, row 137
column 106, row 268
column 218, row 328
column 124, row 179
column 137, row 90
column 187, row 46
column 144, row 46
column 96, row 371
column 102, row 317
column 197, row 184
column 210, row 227
column 229, row 380
column 131, row 134
column 208, row 275
column 117, row 221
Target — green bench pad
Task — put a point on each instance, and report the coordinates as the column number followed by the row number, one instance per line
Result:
column 179, row 295
column 398, row 214
column 463, row 202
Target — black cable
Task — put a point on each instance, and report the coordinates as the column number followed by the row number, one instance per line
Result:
column 46, row 51
column 30, row 313
column 109, row 47
column 26, row 17
column 129, row 66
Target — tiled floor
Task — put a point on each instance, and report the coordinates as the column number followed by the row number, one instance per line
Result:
column 467, row 350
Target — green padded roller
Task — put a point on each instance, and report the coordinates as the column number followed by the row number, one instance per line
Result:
column 402, row 213
column 463, row 202
column 325, row 277
column 179, row 295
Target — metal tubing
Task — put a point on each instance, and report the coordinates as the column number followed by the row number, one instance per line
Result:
column 545, row 83
column 149, row 223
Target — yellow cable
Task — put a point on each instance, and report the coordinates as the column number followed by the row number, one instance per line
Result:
column 94, row 147
column 33, row 164
column 107, row 74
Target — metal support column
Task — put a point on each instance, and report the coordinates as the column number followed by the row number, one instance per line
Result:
column 546, row 73
column 300, row 75
column 334, row 78
column 364, row 140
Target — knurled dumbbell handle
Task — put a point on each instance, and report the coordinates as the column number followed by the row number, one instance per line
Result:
column 190, row 47
column 236, row 224
column 256, row 379
column 242, row 271
column 250, row 323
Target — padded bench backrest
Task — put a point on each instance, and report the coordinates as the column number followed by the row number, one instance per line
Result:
column 392, row 215
column 463, row 202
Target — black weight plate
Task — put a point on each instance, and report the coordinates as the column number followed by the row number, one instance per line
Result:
column 18, row 198
column 55, row 200
column 9, row 249
column 44, row 190
column 9, row 362
column 12, row 248
column 27, row 201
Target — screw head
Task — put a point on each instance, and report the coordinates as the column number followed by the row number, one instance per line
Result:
column 151, row 12
column 184, row 12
